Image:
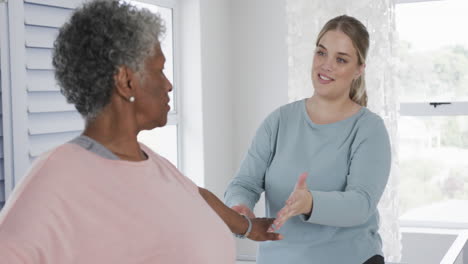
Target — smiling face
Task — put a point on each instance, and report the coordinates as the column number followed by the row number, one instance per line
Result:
column 335, row 65
column 152, row 93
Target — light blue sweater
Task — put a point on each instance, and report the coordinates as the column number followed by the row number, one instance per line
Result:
column 348, row 163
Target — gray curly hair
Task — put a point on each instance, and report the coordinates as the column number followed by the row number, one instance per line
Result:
column 100, row 37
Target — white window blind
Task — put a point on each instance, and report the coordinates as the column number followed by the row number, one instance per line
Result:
column 36, row 117
column 51, row 120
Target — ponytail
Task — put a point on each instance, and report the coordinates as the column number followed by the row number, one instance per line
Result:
column 358, row 91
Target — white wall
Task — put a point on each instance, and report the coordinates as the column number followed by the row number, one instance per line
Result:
column 259, row 61
column 217, row 94
column 207, row 115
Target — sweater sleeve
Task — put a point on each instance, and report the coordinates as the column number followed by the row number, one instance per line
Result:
column 249, row 182
column 368, row 175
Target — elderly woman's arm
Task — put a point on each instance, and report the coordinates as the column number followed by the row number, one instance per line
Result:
column 236, row 222
column 18, row 253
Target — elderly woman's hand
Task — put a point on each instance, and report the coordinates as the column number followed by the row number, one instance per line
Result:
column 299, row 202
column 260, row 230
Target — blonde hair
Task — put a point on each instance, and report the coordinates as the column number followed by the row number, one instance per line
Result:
column 358, row 34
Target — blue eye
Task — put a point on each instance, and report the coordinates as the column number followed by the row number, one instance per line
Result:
column 340, row 60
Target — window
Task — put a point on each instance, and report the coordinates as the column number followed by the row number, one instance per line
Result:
column 433, row 128
column 164, row 140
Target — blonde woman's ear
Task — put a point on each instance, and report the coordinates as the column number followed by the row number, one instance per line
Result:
column 360, row 71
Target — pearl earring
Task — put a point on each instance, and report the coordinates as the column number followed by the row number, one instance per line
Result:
column 131, row 99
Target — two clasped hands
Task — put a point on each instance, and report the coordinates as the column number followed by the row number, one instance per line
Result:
column 299, row 202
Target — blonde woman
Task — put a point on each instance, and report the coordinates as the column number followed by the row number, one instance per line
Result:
column 339, row 148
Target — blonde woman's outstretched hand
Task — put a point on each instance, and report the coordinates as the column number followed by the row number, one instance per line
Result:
column 299, row 202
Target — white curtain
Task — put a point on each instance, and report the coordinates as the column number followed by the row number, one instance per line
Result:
column 305, row 18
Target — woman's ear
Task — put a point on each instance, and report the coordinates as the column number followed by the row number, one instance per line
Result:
column 360, row 71
column 124, row 79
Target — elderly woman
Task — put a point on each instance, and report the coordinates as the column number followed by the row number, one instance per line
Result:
column 104, row 197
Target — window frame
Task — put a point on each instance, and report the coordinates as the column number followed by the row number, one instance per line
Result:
column 5, row 105
column 453, row 108
column 173, row 117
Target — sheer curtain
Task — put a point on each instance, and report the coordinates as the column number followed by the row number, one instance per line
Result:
column 305, row 18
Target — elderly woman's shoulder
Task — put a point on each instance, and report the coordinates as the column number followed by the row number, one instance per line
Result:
column 58, row 157
column 46, row 170
column 53, row 152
